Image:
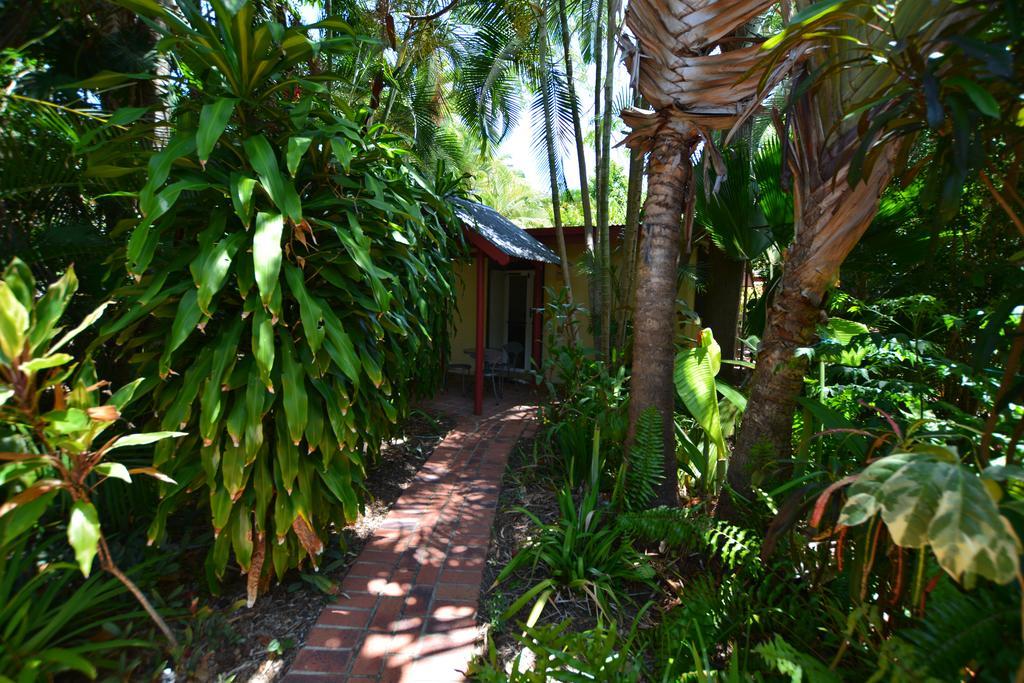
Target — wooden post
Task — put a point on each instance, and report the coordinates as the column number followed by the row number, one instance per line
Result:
column 481, row 317
column 538, row 316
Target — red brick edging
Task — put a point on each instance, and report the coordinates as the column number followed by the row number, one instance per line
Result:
column 408, row 608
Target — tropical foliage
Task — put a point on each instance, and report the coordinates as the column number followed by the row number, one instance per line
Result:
column 236, row 213
column 284, row 266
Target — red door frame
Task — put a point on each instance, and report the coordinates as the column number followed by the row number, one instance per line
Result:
column 481, row 316
column 538, row 315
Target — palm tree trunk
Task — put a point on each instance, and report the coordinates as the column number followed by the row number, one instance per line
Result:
column 588, row 217
column 549, row 143
column 594, row 283
column 831, row 217
column 654, row 320
column 603, row 238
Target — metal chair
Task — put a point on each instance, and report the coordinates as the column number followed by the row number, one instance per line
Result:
column 514, row 350
column 496, row 367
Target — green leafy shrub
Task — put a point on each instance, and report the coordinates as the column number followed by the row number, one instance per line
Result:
column 293, row 284
column 561, row 654
column 50, row 432
column 52, row 622
column 584, row 394
column 583, row 551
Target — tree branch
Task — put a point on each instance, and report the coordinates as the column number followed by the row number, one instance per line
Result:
column 439, row 13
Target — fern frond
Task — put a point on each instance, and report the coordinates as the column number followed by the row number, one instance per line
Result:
column 677, row 527
column 642, row 471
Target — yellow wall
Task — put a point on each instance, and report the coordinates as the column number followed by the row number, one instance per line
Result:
column 464, row 330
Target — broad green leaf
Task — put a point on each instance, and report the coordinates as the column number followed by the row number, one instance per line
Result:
column 160, row 167
column 86, row 322
column 293, row 380
column 50, row 308
column 280, row 189
column 286, row 456
column 212, row 401
column 23, row 517
column 734, row 397
column 152, row 472
column 105, row 79
column 144, row 439
column 263, row 347
column 343, row 152
column 981, row 97
column 266, row 253
column 70, row 421
column 123, row 396
column 297, row 146
column 84, row 534
column 215, row 268
column 19, row 278
column 185, row 322
column 694, row 377
column 929, row 499
column 115, row 470
column 339, row 483
column 339, row 346
column 54, row 361
column 241, row 536
column 843, row 331
column 213, row 119
column 13, row 322
column 310, row 310
column 241, row 197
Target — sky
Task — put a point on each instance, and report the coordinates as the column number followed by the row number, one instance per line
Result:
column 517, row 149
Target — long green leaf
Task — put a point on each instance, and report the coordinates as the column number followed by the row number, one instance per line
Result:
column 266, row 254
column 84, row 534
column 280, row 189
column 213, row 119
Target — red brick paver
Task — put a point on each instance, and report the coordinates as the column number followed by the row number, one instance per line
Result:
column 408, row 608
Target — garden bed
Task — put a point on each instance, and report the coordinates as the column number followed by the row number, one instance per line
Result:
column 530, row 483
column 258, row 644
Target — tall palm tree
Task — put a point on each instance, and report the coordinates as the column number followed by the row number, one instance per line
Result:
column 693, row 88
column 844, row 57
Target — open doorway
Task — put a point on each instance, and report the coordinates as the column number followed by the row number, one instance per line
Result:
column 510, row 319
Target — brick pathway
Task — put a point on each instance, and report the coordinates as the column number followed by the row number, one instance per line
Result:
column 408, row 612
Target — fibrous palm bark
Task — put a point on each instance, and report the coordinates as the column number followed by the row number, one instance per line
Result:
column 832, row 207
column 693, row 88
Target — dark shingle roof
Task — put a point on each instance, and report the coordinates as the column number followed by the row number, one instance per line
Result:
column 505, row 235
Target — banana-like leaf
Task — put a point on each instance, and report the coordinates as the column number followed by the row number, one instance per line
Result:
column 694, row 375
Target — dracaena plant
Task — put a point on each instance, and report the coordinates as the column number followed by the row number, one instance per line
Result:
column 56, row 425
column 293, row 286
